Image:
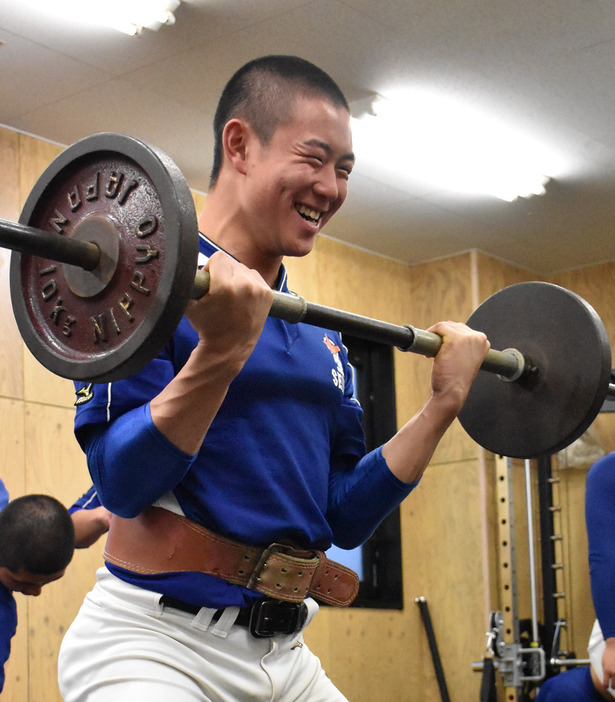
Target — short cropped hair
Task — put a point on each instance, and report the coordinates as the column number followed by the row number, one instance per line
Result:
column 263, row 92
column 36, row 535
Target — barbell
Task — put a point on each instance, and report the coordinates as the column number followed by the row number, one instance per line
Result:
column 104, row 263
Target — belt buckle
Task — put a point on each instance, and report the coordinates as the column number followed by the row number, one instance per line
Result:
column 271, row 617
column 255, row 577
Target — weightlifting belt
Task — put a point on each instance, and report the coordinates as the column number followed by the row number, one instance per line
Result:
column 159, row 541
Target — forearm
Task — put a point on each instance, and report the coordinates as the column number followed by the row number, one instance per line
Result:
column 186, row 407
column 90, row 525
column 408, row 453
column 455, row 367
column 229, row 321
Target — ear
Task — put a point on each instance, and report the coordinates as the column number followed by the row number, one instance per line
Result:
column 235, row 141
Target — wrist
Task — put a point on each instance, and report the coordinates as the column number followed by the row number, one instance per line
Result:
column 222, row 364
column 444, row 405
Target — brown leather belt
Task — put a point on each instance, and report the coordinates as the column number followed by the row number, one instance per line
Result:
column 159, row 541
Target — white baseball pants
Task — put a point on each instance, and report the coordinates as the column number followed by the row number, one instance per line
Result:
column 124, row 646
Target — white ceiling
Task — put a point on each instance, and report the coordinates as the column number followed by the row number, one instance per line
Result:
column 545, row 65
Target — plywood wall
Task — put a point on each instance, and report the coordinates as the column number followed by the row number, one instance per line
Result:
column 39, row 452
column 450, row 551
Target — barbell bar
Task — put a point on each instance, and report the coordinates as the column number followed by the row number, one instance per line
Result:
column 118, row 215
column 510, row 364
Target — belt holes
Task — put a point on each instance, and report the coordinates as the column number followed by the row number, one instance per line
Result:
column 300, row 574
column 284, row 570
column 278, row 586
column 246, row 557
column 295, row 589
column 240, row 571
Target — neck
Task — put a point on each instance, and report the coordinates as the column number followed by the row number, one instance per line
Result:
column 223, row 226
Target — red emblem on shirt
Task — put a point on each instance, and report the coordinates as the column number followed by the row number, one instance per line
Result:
column 330, row 345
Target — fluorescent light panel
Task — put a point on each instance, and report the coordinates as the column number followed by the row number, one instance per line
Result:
column 421, row 136
column 127, row 16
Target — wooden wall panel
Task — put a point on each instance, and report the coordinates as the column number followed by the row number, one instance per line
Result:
column 11, row 348
column 359, row 282
column 492, row 275
column 443, row 555
column 42, row 386
column 9, row 173
column 55, row 465
column 199, row 202
column 577, row 604
column 596, row 284
column 14, row 477
column 12, row 444
column 34, row 157
column 441, row 290
column 487, row 487
column 11, row 380
column 376, row 654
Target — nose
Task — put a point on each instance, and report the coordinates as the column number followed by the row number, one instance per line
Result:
column 32, row 590
column 327, row 185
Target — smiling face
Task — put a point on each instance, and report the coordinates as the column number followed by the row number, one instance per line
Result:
column 299, row 179
column 26, row 583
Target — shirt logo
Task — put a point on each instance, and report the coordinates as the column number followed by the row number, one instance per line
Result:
column 337, row 373
column 84, row 395
column 334, row 348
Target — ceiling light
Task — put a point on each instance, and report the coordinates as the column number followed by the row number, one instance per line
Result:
column 128, row 16
column 423, row 137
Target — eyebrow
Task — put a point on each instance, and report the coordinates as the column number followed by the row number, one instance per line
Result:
column 325, row 147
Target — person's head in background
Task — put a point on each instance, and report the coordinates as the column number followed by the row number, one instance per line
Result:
column 37, row 542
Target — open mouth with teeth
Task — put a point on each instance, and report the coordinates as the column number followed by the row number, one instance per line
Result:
column 310, row 215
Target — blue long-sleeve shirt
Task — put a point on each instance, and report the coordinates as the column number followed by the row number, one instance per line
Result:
column 600, row 519
column 8, row 626
column 8, row 608
column 283, row 460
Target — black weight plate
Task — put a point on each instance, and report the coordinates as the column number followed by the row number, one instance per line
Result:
column 565, row 339
column 110, row 330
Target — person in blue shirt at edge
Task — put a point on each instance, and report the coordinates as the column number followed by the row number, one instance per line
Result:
column 26, row 558
column 237, row 457
column 37, row 542
column 596, row 681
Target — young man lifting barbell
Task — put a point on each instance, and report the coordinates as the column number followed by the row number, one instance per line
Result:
column 237, row 457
